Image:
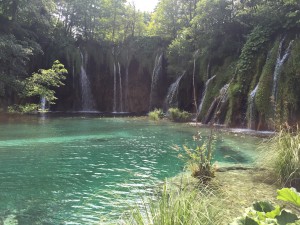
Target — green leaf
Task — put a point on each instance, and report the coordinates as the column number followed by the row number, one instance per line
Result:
column 263, row 207
column 286, row 217
column 250, row 221
column 274, row 213
column 289, row 195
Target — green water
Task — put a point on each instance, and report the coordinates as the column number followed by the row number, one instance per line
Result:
column 81, row 170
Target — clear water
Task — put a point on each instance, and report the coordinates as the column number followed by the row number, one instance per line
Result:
column 82, row 170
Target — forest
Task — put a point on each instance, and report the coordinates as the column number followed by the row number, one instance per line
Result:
column 244, row 53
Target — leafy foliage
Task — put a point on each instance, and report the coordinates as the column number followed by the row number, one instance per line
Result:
column 14, row 56
column 28, row 108
column 263, row 213
column 289, row 195
column 41, row 83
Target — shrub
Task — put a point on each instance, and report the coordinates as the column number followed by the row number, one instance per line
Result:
column 28, row 108
column 283, row 156
column 157, row 114
column 177, row 115
column 178, row 207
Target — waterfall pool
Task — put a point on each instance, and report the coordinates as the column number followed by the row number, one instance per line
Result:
column 80, row 170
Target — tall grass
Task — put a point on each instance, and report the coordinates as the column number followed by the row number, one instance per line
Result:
column 180, row 207
column 282, row 156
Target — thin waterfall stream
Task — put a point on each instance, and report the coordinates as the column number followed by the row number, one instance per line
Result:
column 171, row 99
column 281, row 59
column 251, row 104
column 87, row 99
column 204, row 94
column 155, row 77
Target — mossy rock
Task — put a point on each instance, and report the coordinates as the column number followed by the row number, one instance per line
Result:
column 263, row 96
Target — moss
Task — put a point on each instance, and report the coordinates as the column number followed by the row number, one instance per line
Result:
column 289, row 89
column 235, row 90
column 223, row 74
column 260, row 62
column 264, row 92
column 263, row 96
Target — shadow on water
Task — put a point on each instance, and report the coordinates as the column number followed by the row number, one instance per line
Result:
column 231, row 155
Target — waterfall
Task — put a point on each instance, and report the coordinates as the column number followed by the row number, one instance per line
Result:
column 171, row 100
column 251, row 103
column 43, row 104
column 126, row 88
column 87, row 100
column 115, row 89
column 155, row 77
column 195, row 56
column 120, row 88
column 204, row 95
column 281, row 58
column 218, row 105
column 224, row 93
column 126, row 83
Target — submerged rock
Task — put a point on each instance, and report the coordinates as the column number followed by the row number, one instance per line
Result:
column 10, row 220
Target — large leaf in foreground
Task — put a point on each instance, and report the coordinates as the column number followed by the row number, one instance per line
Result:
column 289, row 195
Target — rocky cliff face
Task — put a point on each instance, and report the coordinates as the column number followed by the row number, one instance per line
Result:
column 134, row 78
column 120, row 80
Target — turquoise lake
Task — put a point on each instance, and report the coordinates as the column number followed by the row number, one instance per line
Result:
column 82, row 170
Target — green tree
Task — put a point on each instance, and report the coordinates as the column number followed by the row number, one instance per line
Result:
column 171, row 16
column 42, row 83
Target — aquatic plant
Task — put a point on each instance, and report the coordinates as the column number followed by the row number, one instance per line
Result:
column 282, row 156
column 199, row 158
column 177, row 115
column 156, row 114
column 178, row 207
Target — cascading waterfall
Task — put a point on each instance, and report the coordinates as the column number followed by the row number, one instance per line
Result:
column 278, row 68
column 204, row 95
column 224, row 93
column 43, row 104
column 251, row 103
column 87, row 100
column 171, row 99
column 218, row 105
column 120, row 88
column 155, row 77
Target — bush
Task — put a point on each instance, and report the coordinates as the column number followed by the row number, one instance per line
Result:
column 283, row 156
column 28, row 108
column 178, row 207
column 157, row 114
column 177, row 115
